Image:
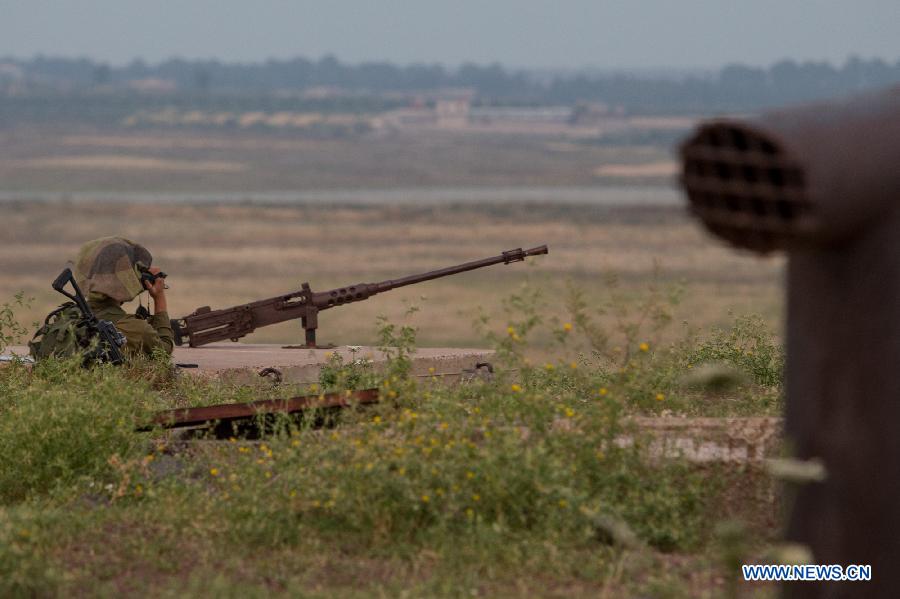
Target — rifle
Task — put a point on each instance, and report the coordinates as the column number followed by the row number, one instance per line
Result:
column 110, row 340
column 205, row 325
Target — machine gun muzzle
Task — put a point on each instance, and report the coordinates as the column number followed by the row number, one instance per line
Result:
column 519, row 254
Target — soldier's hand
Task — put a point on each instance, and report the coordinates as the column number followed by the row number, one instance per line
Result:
column 158, row 289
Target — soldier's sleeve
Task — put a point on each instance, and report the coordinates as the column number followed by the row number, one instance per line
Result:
column 147, row 335
column 163, row 327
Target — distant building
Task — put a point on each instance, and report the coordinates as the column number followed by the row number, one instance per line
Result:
column 10, row 72
column 153, row 85
column 452, row 113
column 513, row 114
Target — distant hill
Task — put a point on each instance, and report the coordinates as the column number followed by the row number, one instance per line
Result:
column 733, row 88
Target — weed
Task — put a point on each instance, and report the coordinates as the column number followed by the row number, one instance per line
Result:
column 11, row 330
column 465, row 487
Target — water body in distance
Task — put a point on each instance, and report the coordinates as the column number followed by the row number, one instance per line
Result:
column 601, row 196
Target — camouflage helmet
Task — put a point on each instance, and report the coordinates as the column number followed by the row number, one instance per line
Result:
column 111, row 267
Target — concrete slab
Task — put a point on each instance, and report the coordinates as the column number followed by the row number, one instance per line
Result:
column 242, row 362
column 704, row 440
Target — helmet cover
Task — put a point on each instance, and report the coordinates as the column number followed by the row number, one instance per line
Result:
column 111, row 267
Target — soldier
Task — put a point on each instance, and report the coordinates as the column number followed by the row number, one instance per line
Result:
column 112, row 271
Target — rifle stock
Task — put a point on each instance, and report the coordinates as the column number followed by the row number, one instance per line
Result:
column 205, row 325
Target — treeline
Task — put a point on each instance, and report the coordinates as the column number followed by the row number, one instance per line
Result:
column 734, row 87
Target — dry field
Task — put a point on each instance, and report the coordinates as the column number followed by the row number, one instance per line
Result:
column 226, row 254
column 191, row 161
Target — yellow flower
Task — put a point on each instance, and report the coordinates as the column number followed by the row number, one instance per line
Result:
column 660, row 397
column 573, row 365
column 549, row 366
column 431, row 370
column 392, row 394
column 476, row 497
column 293, row 494
column 470, row 513
column 295, row 443
column 244, row 449
column 232, row 440
column 510, row 331
column 563, row 503
column 470, row 475
column 644, row 346
column 268, row 475
column 567, row 327
column 377, row 420
column 443, row 426
column 425, row 498
column 600, row 455
column 516, row 388
column 603, row 391
column 313, row 388
column 214, row 471
column 570, row 412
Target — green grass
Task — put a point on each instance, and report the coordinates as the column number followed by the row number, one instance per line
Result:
column 507, row 487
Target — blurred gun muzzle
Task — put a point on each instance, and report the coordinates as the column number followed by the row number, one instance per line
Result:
column 823, row 183
column 807, row 176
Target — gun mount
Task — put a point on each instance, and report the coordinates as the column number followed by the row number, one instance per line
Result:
column 205, row 325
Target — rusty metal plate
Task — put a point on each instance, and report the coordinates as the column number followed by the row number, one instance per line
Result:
column 187, row 417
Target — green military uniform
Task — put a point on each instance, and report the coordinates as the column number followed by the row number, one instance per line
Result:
column 142, row 335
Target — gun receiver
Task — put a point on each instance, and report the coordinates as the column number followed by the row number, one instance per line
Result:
column 206, row 326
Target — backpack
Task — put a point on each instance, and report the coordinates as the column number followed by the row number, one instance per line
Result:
column 65, row 333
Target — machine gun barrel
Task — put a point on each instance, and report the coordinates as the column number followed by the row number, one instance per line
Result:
column 507, row 257
column 206, row 326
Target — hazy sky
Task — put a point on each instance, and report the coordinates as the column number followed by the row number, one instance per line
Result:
column 535, row 33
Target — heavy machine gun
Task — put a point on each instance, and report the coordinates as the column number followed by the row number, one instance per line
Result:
column 205, row 325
